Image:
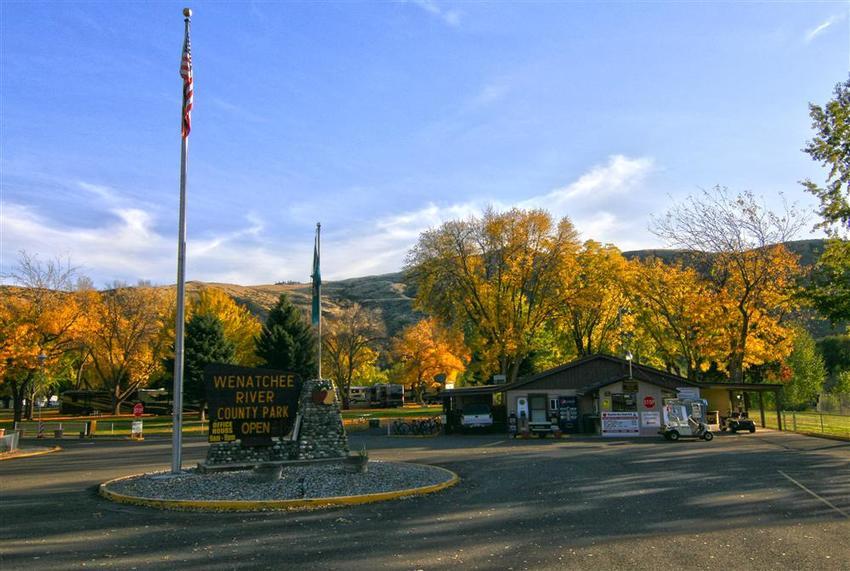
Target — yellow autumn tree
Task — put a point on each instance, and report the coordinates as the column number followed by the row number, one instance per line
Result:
column 240, row 326
column 760, row 285
column 127, row 339
column 348, row 346
column 428, row 356
column 496, row 278
column 593, row 298
column 687, row 319
column 741, row 240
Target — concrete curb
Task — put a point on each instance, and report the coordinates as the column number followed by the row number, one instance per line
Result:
column 13, row 456
column 272, row 505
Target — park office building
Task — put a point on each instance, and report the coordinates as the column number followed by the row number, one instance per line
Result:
column 601, row 394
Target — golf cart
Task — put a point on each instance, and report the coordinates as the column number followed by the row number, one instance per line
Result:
column 737, row 421
column 685, row 417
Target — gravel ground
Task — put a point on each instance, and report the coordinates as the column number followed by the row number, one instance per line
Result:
column 297, row 482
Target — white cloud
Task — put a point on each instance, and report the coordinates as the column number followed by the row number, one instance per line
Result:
column 822, row 27
column 128, row 244
column 619, row 175
column 450, row 17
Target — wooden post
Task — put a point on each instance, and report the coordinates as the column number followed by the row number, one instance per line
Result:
column 761, row 407
column 778, row 410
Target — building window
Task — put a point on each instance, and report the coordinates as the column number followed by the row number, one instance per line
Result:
column 623, row 402
column 553, row 404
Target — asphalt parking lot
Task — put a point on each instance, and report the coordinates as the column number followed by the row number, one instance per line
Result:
column 764, row 501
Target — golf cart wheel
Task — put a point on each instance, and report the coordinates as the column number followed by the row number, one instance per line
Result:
column 673, row 435
column 666, row 436
column 752, row 429
column 708, row 437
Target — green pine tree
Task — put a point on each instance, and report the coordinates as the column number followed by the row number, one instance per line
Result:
column 287, row 341
column 205, row 344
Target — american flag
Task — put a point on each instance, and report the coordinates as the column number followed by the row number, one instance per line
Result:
column 186, row 74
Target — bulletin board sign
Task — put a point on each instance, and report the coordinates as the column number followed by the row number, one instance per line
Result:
column 620, row 424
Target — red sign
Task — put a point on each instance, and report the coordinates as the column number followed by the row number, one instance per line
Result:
column 138, row 409
column 649, row 402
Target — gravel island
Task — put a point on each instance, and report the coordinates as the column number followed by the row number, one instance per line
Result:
column 311, row 482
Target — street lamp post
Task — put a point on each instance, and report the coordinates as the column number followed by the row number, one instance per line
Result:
column 41, row 359
column 629, row 359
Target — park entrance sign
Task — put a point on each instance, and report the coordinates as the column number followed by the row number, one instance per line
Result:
column 250, row 405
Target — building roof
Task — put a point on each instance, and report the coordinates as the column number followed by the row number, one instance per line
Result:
column 593, row 372
column 608, row 365
column 481, row 390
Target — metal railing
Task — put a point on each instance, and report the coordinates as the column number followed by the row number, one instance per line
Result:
column 811, row 423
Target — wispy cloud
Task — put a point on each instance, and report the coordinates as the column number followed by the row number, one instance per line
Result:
column 448, row 16
column 237, row 111
column 129, row 243
column 99, row 190
column 822, row 27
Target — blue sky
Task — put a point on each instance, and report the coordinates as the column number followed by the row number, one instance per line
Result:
column 382, row 119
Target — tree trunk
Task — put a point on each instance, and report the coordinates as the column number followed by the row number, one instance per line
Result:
column 514, row 371
column 346, row 404
column 736, row 361
column 116, row 401
column 31, row 401
column 18, row 392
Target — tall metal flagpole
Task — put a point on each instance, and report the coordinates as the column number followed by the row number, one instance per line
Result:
column 177, row 431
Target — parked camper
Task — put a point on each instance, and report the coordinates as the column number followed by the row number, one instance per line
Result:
column 358, row 396
column 385, row 395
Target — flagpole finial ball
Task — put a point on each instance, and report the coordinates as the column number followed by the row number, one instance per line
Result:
column 187, row 12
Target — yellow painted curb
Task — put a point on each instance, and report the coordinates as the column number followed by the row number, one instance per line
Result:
column 262, row 505
column 10, row 456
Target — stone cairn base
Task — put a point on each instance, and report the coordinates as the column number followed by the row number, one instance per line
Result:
column 321, row 434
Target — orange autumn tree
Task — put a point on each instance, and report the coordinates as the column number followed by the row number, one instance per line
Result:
column 427, row 352
column 496, row 277
column 40, row 321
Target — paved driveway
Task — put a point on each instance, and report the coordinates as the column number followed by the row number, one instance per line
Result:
column 764, row 501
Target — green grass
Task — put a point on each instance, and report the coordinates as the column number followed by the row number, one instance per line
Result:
column 811, row 423
column 408, row 411
column 109, row 425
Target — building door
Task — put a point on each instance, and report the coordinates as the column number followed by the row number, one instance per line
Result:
column 538, row 404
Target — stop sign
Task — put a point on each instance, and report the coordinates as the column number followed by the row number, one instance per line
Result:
column 138, row 409
column 649, row 402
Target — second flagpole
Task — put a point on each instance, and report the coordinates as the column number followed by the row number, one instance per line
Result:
column 319, row 292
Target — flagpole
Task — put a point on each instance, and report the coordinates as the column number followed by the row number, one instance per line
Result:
column 177, row 431
column 319, row 292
